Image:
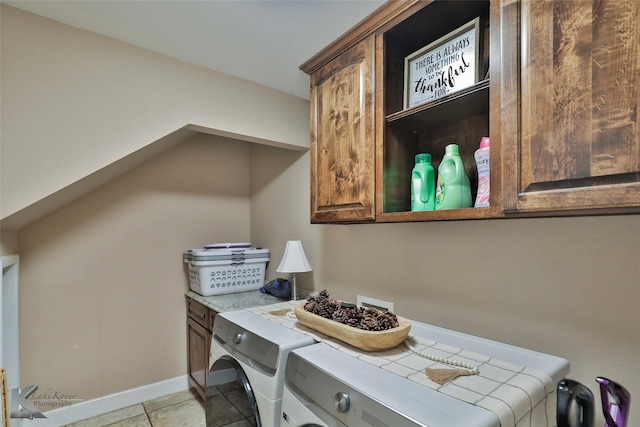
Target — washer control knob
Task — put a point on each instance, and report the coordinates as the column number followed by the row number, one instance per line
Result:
column 341, row 401
column 237, row 338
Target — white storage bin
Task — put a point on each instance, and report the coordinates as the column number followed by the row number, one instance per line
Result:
column 226, row 271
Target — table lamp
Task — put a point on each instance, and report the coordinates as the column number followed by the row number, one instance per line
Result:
column 294, row 261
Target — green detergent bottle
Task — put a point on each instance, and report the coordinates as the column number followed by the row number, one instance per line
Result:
column 423, row 184
column 453, row 190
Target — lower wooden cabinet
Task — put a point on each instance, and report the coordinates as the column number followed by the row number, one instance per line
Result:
column 199, row 331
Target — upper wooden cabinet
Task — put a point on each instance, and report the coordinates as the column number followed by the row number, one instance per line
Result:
column 559, row 100
column 342, row 137
column 574, row 144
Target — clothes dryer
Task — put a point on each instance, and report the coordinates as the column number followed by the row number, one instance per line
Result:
column 249, row 356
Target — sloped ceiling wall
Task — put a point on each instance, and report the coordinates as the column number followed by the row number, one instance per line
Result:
column 75, row 103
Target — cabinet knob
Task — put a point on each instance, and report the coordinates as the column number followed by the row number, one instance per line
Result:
column 341, row 402
column 237, row 338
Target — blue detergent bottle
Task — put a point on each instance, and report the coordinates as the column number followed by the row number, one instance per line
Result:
column 423, row 185
column 453, row 190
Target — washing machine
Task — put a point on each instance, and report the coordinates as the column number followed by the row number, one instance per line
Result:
column 249, row 356
column 328, row 385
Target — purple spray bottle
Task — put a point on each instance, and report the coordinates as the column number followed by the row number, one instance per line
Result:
column 615, row 402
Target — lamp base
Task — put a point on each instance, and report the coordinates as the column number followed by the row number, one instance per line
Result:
column 294, row 287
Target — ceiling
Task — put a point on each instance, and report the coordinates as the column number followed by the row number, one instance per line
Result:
column 263, row 41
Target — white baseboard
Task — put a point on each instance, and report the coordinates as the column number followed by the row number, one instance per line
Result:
column 101, row 405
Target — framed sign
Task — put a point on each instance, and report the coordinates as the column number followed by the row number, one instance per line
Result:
column 445, row 66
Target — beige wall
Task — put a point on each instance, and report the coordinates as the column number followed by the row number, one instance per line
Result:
column 76, row 98
column 102, row 280
column 8, row 242
column 565, row 286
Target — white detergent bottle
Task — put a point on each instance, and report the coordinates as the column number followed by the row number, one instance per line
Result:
column 483, row 164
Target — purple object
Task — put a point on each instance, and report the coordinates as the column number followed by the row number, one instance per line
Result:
column 228, row 246
column 615, row 402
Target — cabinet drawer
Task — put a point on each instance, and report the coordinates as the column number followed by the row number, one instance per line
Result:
column 201, row 314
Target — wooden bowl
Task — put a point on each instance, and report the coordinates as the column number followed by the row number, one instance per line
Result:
column 364, row 340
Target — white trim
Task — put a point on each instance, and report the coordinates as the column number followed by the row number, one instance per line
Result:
column 9, row 318
column 361, row 300
column 102, row 405
column 9, row 260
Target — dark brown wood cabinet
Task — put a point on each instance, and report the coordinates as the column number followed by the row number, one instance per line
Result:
column 199, row 332
column 342, row 147
column 574, row 143
column 382, row 136
column 559, row 101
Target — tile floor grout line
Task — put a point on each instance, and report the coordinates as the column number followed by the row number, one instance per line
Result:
column 163, row 408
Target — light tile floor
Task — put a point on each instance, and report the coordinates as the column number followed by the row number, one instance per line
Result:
column 183, row 409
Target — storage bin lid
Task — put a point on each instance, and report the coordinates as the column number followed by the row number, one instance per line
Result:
column 237, row 254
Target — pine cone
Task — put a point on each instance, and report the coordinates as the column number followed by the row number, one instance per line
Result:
column 369, row 323
column 339, row 316
column 365, row 318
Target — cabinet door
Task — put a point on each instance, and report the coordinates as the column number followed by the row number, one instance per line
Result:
column 199, row 341
column 575, row 139
column 342, row 137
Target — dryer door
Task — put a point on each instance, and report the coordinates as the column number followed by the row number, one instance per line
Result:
column 230, row 396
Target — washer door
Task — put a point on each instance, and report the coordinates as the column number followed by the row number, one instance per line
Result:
column 230, row 396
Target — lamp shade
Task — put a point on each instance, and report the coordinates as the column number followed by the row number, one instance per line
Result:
column 294, row 259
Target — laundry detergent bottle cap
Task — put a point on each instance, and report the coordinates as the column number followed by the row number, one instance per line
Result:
column 423, row 158
column 452, row 149
column 423, row 184
column 453, row 189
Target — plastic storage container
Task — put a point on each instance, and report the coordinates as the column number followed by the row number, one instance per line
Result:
column 226, row 271
column 482, row 156
column 423, row 184
column 453, row 190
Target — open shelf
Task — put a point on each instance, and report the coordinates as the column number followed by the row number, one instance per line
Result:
column 444, row 215
column 444, row 111
column 460, row 118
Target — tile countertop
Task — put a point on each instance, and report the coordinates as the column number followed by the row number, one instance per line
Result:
column 516, row 384
column 240, row 300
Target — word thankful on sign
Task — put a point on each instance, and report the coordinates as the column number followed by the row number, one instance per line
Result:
column 445, row 66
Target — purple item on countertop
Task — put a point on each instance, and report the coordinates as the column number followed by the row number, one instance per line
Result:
column 615, row 402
